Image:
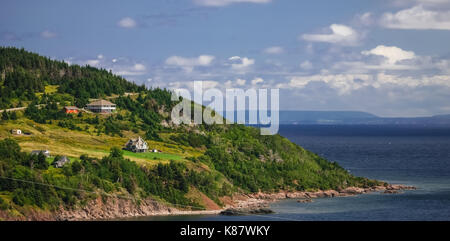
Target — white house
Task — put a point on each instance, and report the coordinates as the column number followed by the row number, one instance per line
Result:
column 136, row 145
column 61, row 161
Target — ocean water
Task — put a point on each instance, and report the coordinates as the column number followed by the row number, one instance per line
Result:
column 418, row 156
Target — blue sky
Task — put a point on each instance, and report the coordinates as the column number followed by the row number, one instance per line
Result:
column 390, row 58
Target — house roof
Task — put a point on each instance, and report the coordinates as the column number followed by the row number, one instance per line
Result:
column 71, row 107
column 137, row 142
column 63, row 159
column 101, row 102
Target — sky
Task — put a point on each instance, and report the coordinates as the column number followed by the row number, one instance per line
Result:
column 389, row 58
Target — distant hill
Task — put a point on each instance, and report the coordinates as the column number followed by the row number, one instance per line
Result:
column 324, row 117
column 356, row 118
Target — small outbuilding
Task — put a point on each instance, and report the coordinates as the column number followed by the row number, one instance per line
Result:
column 60, row 161
column 16, row 132
column 136, row 145
column 45, row 152
column 71, row 109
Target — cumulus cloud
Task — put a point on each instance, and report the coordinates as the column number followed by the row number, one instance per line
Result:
column 306, row 65
column 119, row 66
column 340, row 34
column 206, row 84
column 92, row 62
column 127, row 22
column 241, row 63
column 345, row 84
column 274, row 50
column 256, row 81
column 135, row 69
column 234, row 58
column 188, row 64
column 417, row 18
column 391, row 54
column 366, row 18
column 240, row 82
column 221, row 3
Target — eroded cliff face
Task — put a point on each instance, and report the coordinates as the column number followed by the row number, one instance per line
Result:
column 97, row 209
column 115, row 208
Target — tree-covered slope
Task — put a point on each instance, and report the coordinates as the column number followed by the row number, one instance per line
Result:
column 23, row 74
column 217, row 160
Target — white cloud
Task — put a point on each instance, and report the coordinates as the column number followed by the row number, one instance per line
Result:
column 412, row 81
column 133, row 70
column 92, row 62
column 340, row 34
column 139, row 67
column 345, row 83
column 417, row 18
column 241, row 63
column 206, row 84
column 234, row 58
column 366, row 19
column 257, row 81
column 127, row 22
column 364, row 67
column 274, row 50
column 306, row 65
column 188, row 64
column 240, row 82
column 48, row 34
column 209, row 84
column 392, row 54
column 221, row 3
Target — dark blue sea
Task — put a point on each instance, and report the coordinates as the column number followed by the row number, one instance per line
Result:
column 412, row 155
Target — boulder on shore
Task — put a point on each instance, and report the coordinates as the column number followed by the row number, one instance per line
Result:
column 245, row 211
column 391, row 192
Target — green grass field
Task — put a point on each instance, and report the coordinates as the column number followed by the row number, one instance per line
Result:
column 62, row 141
column 153, row 155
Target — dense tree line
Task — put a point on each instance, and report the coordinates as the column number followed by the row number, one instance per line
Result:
column 269, row 163
column 31, row 182
column 22, row 74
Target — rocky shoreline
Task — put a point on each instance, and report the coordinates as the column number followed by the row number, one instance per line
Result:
column 239, row 204
column 262, row 200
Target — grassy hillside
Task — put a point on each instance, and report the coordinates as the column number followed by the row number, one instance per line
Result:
column 198, row 164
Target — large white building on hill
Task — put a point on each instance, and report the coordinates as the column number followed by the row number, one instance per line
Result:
column 101, row 106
